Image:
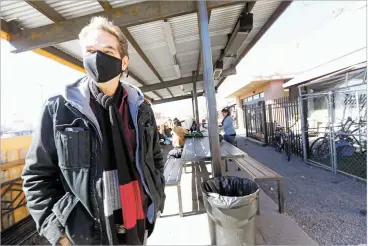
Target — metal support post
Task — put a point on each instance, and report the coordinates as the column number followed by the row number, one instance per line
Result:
column 304, row 139
column 193, row 106
column 331, row 133
column 209, row 86
column 195, row 98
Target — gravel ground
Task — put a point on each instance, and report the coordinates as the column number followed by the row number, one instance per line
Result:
column 327, row 206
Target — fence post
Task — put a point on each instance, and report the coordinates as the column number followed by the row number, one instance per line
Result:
column 303, row 126
column 264, row 122
column 271, row 128
column 332, row 132
column 245, row 120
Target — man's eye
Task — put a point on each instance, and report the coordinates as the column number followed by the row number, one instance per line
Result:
column 91, row 51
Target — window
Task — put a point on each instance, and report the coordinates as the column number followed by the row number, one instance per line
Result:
column 254, row 97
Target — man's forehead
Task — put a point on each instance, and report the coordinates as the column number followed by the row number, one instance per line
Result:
column 101, row 38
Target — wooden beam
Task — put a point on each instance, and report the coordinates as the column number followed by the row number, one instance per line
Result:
column 141, row 53
column 182, row 81
column 105, row 5
column 46, row 10
column 126, row 16
column 140, row 81
column 173, row 99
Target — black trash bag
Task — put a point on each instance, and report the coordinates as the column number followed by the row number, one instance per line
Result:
column 228, row 191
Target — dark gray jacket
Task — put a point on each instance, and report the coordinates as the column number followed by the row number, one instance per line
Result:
column 63, row 172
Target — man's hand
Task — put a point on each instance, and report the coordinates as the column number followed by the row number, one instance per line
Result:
column 64, row 241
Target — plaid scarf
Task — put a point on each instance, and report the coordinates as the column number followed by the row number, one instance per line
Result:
column 123, row 208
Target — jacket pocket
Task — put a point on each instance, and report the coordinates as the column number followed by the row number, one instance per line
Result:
column 64, row 207
column 74, row 218
column 74, row 147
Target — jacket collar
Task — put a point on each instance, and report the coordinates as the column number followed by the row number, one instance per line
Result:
column 78, row 95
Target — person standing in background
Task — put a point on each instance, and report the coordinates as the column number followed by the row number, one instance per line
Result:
column 228, row 127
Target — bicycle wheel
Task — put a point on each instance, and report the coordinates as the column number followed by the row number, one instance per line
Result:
column 320, row 148
column 287, row 150
column 278, row 143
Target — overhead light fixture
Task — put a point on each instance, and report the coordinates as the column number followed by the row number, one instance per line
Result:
column 219, row 66
column 170, row 43
column 241, row 31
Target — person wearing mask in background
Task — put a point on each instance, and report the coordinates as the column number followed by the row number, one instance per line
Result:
column 228, row 127
column 94, row 170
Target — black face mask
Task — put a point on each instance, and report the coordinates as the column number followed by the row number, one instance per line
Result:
column 101, row 67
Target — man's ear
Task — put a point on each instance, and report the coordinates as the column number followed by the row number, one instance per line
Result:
column 125, row 63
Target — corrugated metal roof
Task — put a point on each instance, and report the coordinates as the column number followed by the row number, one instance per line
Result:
column 73, row 9
column 151, row 37
column 186, row 38
column 28, row 17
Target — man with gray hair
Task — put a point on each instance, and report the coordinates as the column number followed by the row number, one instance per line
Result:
column 94, row 170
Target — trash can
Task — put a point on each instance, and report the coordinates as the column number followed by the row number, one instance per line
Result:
column 231, row 204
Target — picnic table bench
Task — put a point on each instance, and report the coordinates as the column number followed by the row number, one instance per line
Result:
column 260, row 173
column 172, row 173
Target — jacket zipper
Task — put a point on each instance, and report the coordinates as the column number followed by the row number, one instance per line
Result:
column 94, row 163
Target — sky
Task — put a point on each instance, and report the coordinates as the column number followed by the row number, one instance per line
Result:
column 308, row 34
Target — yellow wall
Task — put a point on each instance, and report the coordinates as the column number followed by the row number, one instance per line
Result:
column 13, row 151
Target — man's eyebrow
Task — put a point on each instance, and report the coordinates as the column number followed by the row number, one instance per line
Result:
column 109, row 47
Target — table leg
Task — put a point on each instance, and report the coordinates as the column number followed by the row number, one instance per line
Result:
column 180, row 201
column 281, row 197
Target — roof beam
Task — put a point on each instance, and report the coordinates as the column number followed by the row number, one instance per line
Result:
column 140, row 81
column 105, row 5
column 46, row 10
column 130, row 15
column 64, row 58
column 173, row 99
column 142, row 54
column 181, row 81
column 276, row 14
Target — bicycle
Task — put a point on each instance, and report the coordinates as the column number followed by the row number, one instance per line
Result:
column 281, row 140
column 344, row 141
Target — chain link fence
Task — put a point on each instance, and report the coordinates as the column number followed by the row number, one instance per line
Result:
column 334, row 123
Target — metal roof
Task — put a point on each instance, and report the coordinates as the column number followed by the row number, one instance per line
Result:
column 150, row 36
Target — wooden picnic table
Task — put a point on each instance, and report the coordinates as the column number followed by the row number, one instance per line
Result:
column 198, row 149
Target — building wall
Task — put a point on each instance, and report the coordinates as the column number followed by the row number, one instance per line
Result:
column 272, row 90
column 255, row 90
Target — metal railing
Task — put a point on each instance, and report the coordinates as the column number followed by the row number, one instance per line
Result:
column 12, row 198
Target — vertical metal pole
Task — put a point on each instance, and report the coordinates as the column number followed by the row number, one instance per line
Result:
column 245, row 120
column 303, row 130
column 331, row 133
column 195, row 98
column 264, row 119
column 209, row 86
column 193, row 106
column 358, row 108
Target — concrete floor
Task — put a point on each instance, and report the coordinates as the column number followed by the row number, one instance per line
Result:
column 192, row 229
